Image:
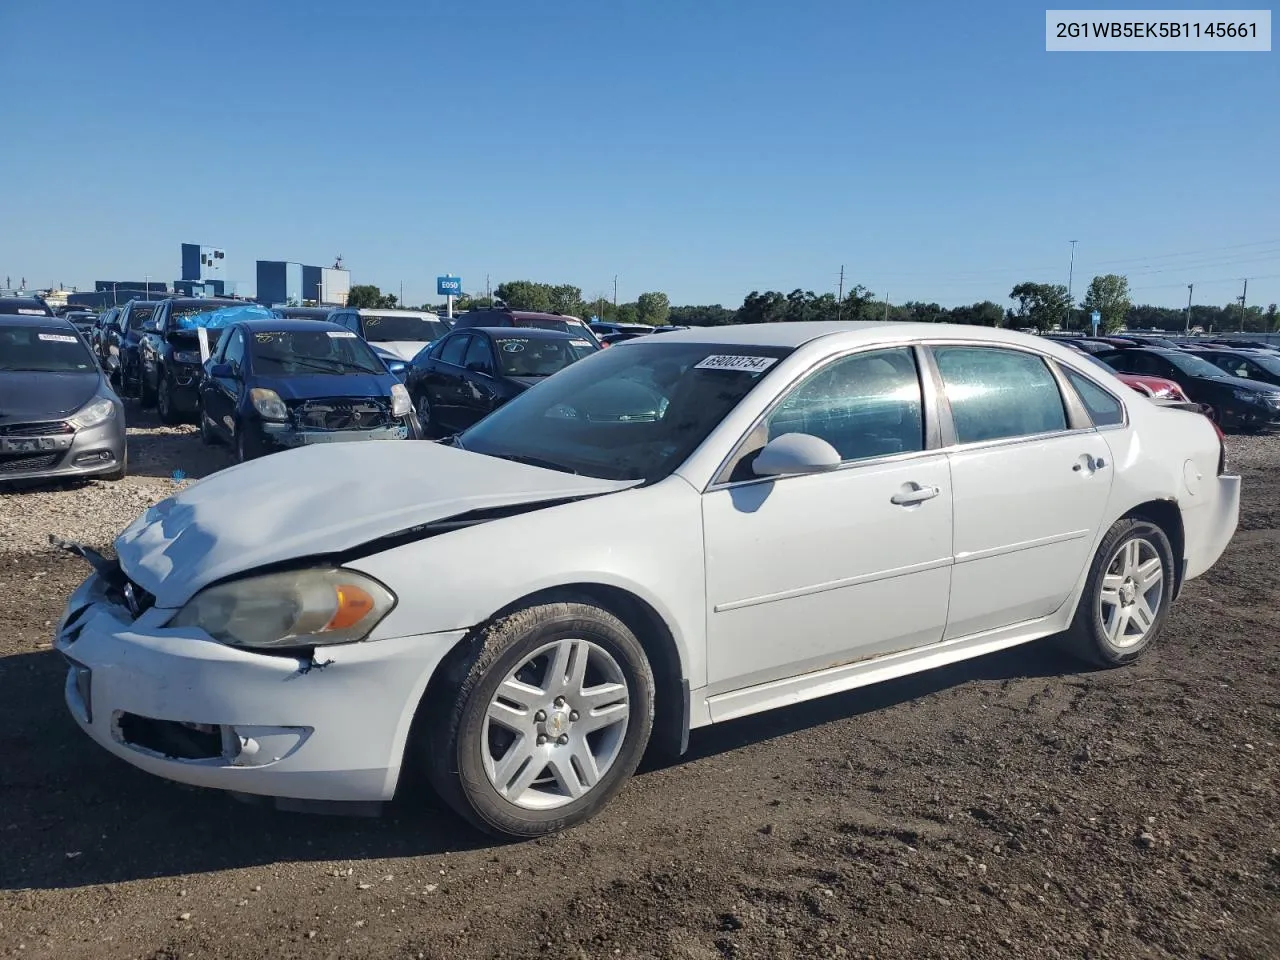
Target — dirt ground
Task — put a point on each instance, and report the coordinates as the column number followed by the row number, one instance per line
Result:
column 1014, row 806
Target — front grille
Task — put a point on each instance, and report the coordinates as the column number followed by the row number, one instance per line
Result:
column 342, row 413
column 26, row 464
column 60, row 428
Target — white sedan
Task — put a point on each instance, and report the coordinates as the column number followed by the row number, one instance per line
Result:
column 671, row 533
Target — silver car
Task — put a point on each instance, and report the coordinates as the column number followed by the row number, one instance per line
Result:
column 59, row 417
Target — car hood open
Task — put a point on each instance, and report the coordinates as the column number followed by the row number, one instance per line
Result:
column 403, row 349
column 319, row 501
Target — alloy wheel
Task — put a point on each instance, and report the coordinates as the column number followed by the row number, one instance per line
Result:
column 1132, row 592
column 556, row 725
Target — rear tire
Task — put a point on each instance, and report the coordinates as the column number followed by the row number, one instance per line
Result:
column 207, row 436
column 1126, row 597
column 568, row 687
column 247, row 447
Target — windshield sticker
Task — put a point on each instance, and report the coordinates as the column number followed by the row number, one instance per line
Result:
column 513, row 346
column 724, row 361
column 341, row 333
column 580, row 343
column 267, row 337
column 56, row 337
column 372, row 321
column 28, row 312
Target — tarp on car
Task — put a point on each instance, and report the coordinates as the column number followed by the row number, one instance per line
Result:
column 221, row 317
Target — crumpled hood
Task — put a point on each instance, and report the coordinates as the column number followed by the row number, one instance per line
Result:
column 44, row 396
column 403, row 349
column 318, row 500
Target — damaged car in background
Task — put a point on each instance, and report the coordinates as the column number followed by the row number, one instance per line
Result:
column 273, row 383
column 789, row 511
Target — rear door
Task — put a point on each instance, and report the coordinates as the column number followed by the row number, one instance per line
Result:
column 1031, row 479
column 478, row 393
column 443, row 382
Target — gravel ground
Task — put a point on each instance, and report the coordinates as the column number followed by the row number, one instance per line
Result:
column 1014, row 806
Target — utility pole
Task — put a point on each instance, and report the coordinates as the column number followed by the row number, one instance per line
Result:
column 1071, row 268
column 886, row 306
column 1243, row 294
column 615, row 296
column 1190, row 287
column 488, row 291
column 146, row 284
column 840, row 296
column 401, row 294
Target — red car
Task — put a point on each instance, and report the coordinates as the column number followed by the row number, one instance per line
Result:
column 1157, row 387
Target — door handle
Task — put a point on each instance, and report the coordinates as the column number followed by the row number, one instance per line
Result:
column 913, row 493
column 1089, row 461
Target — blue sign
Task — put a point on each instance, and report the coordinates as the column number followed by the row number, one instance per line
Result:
column 448, row 286
column 1096, row 317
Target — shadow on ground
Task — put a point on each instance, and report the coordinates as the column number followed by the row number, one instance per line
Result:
column 72, row 815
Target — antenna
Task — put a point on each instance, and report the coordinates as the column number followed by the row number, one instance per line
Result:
column 337, row 262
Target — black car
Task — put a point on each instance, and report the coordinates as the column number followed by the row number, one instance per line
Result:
column 85, row 320
column 1260, row 366
column 24, row 307
column 170, row 356
column 274, row 383
column 1235, row 402
column 304, row 313
column 467, row 374
column 59, row 417
column 499, row 317
column 122, row 343
column 98, row 335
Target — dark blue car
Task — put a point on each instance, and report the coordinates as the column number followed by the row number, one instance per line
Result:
column 277, row 383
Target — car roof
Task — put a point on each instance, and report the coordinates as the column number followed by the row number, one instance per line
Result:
column 290, row 325
column 378, row 312
column 24, row 303
column 31, row 319
column 520, row 333
column 846, row 332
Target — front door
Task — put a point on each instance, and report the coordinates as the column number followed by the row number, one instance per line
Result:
column 1030, row 492
column 808, row 572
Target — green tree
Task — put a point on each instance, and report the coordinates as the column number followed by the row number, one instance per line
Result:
column 364, row 296
column 1109, row 295
column 653, row 308
column 1273, row 321
column 565, row 298
column 713, row 315
column 626, row 313
column 1040, row 305
column 525, row 295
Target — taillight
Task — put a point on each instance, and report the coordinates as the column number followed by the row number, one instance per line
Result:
column 1222, row 446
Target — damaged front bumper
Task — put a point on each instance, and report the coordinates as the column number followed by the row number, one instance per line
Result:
column 177, row 704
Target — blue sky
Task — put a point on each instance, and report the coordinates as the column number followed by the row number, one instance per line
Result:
column 705, row 149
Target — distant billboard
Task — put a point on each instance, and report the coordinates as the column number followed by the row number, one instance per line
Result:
column 335, row 286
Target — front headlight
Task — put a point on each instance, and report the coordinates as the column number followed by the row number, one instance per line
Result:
column 93, row 413
column 296, row 608
column 186, row 356
column 268, row 404
column 1248, row 396
column 400, row 402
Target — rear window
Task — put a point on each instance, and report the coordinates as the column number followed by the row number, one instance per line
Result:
column 386, row 329
column 24, row 306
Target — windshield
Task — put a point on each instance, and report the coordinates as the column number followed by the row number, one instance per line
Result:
column 635, row 413
column 297, row 353
column 384, row 329
column 183, row 311
column 1231, row 362
column 1194, row 366
column 565, row 326
column 536, row 357
column 43, row 350
column 139, row 314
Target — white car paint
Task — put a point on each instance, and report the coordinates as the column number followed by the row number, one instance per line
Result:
column 771, row 590
column 404, row 350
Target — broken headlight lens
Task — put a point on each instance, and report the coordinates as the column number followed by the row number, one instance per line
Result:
column 295, row 608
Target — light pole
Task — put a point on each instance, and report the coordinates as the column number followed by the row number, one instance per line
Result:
column 1190, row 287
column 1071, row 268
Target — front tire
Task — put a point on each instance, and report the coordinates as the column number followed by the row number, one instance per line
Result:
column 541, row 721
column 248, row 447
column 422, row 406
column 164, row 402
column 1127, row 595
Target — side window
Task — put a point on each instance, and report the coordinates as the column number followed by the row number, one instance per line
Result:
column 234, row 352
column 479, row 356
column 996, row 393
column 454, row 348
column 865, row 405
column 1104, row 409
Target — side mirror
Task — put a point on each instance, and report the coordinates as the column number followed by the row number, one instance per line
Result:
column 795, row 453
column 222, row 371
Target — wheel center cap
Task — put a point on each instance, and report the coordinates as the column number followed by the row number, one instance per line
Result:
column 557, row 722
column 1128, row 592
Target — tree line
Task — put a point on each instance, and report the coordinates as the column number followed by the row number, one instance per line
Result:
column 1040, row 306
